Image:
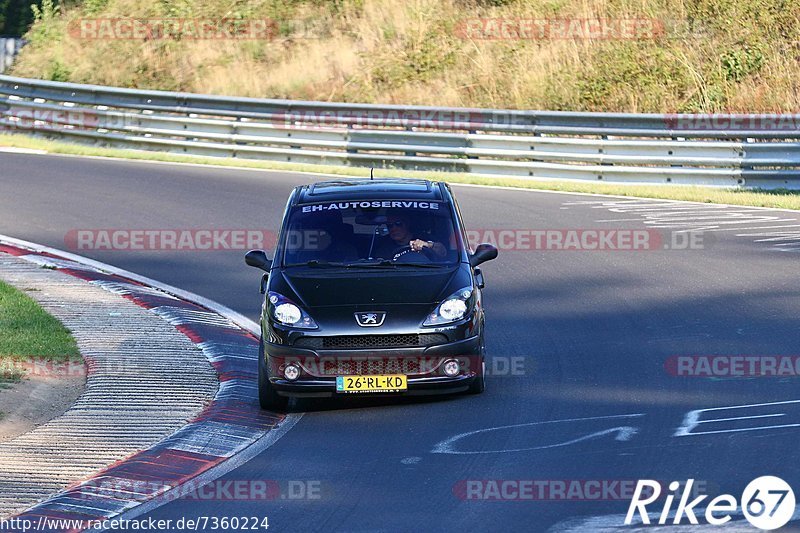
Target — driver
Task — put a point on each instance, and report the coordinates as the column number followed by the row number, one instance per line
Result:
column 400, row 236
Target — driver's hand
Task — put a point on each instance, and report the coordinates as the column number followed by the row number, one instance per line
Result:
column 417, row 245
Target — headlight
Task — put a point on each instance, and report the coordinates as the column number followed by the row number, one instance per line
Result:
column 287, row 313
column 453, row 308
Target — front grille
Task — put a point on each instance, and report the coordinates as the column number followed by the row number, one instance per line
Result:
column 376, row 366
column 355, row 342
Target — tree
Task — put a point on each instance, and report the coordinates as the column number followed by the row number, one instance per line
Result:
column 16, row 17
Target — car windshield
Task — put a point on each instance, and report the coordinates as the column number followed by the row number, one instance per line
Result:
column 371, row 233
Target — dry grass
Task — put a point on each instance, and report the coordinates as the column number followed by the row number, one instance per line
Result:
column 714, row 55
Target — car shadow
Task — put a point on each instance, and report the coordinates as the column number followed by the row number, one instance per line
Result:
column 337, row 403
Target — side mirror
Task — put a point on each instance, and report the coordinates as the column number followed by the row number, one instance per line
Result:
column 484, row 252
column 258, row 259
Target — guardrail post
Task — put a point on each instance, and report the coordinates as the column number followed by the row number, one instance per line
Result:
column 746, row 142
column 410, row 154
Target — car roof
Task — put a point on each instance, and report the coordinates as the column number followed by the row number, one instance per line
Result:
column 370, row 189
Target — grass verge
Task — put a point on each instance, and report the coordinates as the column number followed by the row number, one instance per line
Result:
column 29, row 336
column 781, row 199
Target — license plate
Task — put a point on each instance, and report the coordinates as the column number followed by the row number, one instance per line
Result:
column 371, row 383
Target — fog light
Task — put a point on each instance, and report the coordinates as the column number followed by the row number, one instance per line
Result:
column 452, row 368
column 291, row 372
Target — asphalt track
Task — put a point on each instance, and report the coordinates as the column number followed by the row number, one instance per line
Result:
column 588, row 331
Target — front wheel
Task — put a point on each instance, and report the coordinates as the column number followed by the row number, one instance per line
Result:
column 268, row 397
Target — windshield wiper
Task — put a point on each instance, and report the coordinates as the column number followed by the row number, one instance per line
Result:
column 372, row 261
column 364, row 263
column 382, row 263
column 418, row 265
column 314, row 263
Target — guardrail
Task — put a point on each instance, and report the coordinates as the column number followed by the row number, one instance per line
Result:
column 721, row 150
column 9, row 48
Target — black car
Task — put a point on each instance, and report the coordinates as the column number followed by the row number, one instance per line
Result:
column 374, row 290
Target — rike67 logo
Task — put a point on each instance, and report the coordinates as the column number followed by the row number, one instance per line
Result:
column 767, row 503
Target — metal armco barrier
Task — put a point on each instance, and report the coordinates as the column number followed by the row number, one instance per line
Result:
column 716, row 150
column 9, row 47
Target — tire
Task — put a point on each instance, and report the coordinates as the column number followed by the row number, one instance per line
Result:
column 268, row 397
column 479, row 385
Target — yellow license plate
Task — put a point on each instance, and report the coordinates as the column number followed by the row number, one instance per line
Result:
column 394, row 383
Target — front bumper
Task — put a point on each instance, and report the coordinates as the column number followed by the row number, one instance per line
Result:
column 426, row 381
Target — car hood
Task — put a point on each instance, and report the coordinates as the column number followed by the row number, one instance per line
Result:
column 367, row 288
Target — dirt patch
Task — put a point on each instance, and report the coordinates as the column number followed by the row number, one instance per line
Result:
column 35, row 400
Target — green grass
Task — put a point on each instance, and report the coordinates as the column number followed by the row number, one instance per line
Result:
column 780, row 199
column 27, row 330
column 28, row 333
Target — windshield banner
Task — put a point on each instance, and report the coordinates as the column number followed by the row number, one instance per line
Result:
column 370, row 204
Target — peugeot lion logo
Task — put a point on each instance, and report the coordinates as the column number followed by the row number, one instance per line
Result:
column 371, row 318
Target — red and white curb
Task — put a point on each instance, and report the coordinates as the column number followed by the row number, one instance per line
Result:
column 228, row 432
column 144, row 380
